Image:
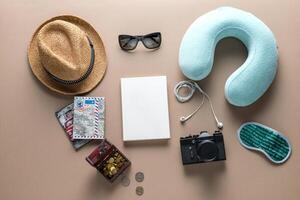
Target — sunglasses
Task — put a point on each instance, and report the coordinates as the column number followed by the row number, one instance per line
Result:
column 150, row 41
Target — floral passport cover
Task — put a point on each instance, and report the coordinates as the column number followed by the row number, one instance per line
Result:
column 88, row 118
column 65, row 118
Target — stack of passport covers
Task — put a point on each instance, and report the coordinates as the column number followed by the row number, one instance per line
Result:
column 83, row 120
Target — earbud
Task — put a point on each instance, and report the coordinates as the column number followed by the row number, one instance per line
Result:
column 220, row 125
column 192, row 86
column 182, row 119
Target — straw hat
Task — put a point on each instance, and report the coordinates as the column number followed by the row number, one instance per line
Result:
column 67, row 55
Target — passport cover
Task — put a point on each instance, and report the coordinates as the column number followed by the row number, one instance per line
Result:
column 65, row 118
column 88, row 118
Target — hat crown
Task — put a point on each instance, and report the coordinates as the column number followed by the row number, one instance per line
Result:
column 64, row 50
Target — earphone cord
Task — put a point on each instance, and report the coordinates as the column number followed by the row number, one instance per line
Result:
column 192, row 86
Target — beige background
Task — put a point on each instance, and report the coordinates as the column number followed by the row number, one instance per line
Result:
column 37, row 160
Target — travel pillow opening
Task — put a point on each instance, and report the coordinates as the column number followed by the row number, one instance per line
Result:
column 251, row 80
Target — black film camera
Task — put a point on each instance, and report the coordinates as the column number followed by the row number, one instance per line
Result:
column 202, row 148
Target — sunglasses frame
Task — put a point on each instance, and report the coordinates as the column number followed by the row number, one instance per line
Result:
column 139, row 38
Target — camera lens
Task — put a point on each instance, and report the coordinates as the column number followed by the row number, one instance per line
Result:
column 207, row 150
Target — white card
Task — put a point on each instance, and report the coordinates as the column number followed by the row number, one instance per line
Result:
column 145, row 110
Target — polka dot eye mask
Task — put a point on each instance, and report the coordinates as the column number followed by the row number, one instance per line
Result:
column 273, row 144
column 252, row 79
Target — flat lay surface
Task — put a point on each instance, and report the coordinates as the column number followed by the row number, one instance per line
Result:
column 37, row 160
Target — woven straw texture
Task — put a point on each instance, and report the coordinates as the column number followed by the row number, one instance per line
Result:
column 61, row 46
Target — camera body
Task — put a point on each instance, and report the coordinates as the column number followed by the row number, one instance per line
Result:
column 202, row 148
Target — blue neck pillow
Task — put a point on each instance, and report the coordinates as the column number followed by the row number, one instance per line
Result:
column 251, row 80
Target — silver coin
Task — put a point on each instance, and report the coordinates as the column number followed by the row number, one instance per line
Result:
column 139, row 176
column 125, row 181
column 139, row 190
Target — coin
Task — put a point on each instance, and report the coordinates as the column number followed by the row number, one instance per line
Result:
column 139, row 176
column 112, row 170
column 125, row 181
column 139, row 190
column 111, row 160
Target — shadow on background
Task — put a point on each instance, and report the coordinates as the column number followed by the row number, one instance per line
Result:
column 144, row 143
column 234, row 49
column 207, row 173
column 44, row 88
column 261, row 105
column 99, row 186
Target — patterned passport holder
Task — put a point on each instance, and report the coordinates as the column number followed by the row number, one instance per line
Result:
column 89, row 118
column 65, row 118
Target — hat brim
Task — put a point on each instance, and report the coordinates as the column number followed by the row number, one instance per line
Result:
column 86, row 85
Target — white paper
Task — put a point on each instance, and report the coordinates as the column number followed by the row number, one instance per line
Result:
column 145, row 108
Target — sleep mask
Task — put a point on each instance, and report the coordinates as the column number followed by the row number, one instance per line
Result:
column 251, row 80
column 273, row 144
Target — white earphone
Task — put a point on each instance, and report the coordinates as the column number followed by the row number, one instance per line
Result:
column 192, row 86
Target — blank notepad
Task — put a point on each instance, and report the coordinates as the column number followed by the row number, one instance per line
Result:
column 145, row 108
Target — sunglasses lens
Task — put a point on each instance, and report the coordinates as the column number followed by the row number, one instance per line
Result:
column 127, row 42
column 152, row 41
